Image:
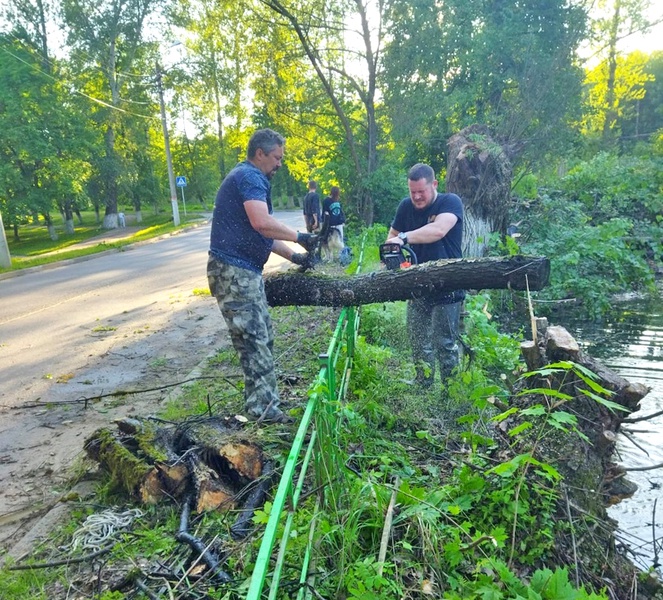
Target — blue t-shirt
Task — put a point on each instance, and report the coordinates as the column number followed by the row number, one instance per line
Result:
column 233, row 240
column 408, row 218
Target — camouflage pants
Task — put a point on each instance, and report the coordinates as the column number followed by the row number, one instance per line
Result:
column 433, row 330
column 240, row 294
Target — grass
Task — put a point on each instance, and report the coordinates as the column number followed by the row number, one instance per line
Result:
column 452, row 529
column 35, row 247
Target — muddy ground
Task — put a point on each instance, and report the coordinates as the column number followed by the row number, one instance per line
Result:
column 43, row 453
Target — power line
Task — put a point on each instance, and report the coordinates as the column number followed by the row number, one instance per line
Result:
column 83, row 94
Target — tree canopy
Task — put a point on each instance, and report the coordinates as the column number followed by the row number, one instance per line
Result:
column 361, row 89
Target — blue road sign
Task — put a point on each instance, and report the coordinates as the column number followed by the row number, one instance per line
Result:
column 180, row 180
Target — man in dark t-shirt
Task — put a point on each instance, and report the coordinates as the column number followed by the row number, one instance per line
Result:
column 432, row 224
column 244, row 233
column 312, row 207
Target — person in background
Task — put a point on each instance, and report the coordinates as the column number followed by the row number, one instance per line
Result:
column 121, row 219
column 244, row 233
column 332, row 205
column 432, row 224
column 312, row 207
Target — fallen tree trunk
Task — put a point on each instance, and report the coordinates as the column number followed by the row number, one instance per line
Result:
column 431, row 278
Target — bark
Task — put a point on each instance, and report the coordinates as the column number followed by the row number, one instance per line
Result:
column 479, row 171
column 207, row 459
column 428, row 279
column 132, row 474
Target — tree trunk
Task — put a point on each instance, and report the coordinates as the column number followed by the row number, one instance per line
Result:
column 479, row 171
column 608, row 134
column 431, row 278
column 208, row 458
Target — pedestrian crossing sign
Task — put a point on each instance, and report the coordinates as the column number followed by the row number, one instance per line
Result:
column 181, row 181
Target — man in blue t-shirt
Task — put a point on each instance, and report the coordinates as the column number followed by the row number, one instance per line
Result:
column 432, row 224
column 244, row 233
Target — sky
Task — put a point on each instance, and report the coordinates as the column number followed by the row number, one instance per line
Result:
column 649, row 42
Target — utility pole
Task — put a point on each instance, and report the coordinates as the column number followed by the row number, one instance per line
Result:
column 5, row 257
column 169, row 158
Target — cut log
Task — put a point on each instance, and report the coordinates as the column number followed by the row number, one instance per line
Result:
column 211, row 492
column 428, row 279
column 130, row 473
column 223, row 449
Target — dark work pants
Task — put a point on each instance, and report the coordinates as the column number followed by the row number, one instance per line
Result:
column 433, row 330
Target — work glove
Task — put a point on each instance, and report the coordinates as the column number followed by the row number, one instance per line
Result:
column 307, row 240
column 304, row 260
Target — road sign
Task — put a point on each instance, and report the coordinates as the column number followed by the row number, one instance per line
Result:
column 180, row 180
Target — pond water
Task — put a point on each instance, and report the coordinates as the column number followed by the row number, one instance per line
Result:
column 630, row 342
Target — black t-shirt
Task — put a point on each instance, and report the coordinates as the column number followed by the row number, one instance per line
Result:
column 408, row 218
column 312, row 204
column 333, row 207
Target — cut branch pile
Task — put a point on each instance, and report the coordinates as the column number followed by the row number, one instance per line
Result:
column 210, row 462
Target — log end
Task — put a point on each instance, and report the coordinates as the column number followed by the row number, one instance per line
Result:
column 244, row 458
column 215, row 496
column 560, row 343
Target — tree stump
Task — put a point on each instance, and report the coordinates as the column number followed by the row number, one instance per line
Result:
column 479, row 171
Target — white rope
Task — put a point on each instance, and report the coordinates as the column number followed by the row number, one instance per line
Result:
column 100, row 527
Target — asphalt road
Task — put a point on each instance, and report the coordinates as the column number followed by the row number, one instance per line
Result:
column 90, row 327
column 51, row 320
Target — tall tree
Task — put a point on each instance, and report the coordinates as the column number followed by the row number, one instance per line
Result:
column 105, row 35
column 42, row 145
column 643, row 117
column 216, row 55
column 613, row 88
column 313, row 21
column 34, row 16
column 511, row 66
column 621, row 19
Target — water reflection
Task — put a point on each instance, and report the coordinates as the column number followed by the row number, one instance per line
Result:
column 630, row 342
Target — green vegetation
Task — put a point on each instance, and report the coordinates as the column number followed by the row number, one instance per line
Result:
column 34, row 246
column 601, row 227
column 586, row 148
column 478, row 498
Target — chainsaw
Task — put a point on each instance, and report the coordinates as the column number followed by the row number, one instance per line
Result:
column 395, row 256
column 322, row 235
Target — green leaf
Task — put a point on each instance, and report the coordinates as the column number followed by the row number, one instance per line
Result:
column 558, row 587
column 506, row 469
column 548, row 392
column 549, row 472
column 507, row 413
column 536, row 410
column 609, row 404
column 452, row 553
column 520, row 428
column 561, row 416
